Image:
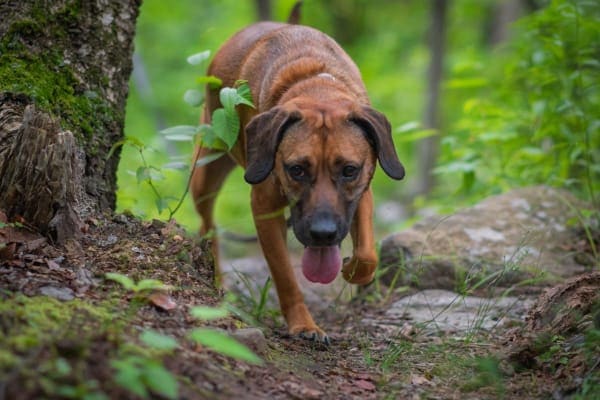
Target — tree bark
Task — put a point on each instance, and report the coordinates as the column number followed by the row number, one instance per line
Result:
column 501, row 15
column 263, row 9
column 64, row 68
column 429, row 147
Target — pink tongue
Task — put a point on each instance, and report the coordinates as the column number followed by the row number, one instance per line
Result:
column 321, row 264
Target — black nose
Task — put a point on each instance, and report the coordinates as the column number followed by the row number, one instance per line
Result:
column 323, row 230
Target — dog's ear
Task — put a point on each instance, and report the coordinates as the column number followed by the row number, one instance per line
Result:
column 379, row 133
column 263, row 135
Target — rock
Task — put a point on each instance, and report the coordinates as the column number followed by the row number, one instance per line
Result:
column 519, row 235
column 440, row 310
column 254, row 338
column 60, row 293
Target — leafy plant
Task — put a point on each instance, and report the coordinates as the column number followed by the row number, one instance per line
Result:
column 539, row 118
column 141, row 375
column 220, row 135
column 142, row 372
column 145, row 285
column 218, row 341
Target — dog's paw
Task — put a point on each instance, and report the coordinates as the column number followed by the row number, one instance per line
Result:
column 314, row 335
column 359, row 272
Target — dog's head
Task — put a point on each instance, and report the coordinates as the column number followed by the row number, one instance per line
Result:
column 323, row 156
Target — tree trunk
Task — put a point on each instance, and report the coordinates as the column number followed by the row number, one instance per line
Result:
column 263, row 8
column 501, row 15
column 64, row 67
column 428, row 147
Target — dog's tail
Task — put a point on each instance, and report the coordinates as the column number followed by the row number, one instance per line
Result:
column 294, row 17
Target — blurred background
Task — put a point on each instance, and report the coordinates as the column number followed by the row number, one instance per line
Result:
column 482, row 95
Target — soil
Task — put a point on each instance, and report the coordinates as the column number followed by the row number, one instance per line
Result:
column 64, row 327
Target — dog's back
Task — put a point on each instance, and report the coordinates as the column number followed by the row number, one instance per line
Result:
column 289, row 52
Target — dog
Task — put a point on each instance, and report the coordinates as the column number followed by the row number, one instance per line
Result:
column 311, row 144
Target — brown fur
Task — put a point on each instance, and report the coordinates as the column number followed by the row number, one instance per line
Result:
column 312, row 113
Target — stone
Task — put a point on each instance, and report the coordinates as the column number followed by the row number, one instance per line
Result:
column 435, row 310
column 509, row 238
column 59, row 293
column 254, row 338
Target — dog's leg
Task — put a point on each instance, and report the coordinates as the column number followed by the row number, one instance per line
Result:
column 267, row 207
column 205, row 185
column 360, row 269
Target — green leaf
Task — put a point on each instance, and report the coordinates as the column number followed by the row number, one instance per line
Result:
column 228, row 97
column 416, row 135
column 129, row 376
column 244, row 94
column 198, row 58
column 158, row 341
column 409, row 126
column 181, row 130
column 160, row 380
column 211, row 80
column 151, row 284
column 176, row 165
column 226, row 126
column 193, row 97
column 457, row 166
column 135, row 142
column 143, row 174
column 179, row 138
column 123, row 280
column 224, row 344
column 466, row 83
column 468, row 180
column 208, row 158
column 207, row 313
column 208, row 138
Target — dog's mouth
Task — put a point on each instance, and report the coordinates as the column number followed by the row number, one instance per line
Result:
column 321, row 264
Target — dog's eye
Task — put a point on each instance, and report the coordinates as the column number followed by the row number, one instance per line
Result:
column 350, row 172
column 297, row 172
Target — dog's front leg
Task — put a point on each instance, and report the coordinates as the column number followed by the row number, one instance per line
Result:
column 267, row 208
column 360, row 268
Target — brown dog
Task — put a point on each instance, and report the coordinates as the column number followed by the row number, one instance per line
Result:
column 311, row 144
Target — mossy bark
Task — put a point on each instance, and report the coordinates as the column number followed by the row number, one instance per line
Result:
column 64, row 67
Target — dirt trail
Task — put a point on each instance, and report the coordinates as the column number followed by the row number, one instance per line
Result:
column 64, row 329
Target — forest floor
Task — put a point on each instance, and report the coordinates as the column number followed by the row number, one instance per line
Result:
column 66, row 331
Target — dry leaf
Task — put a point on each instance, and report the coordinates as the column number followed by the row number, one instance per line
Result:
column 365, row 385
column 419, row 380
column 162, row 301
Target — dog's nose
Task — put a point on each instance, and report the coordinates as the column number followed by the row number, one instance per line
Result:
column 323, row 230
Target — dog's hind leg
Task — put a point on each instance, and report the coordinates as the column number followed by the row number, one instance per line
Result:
column 205, row 184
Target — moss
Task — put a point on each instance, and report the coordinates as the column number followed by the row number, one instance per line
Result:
column 41, row 73
column 27, row 323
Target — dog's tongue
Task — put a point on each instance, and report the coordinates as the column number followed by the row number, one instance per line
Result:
column 321, row 264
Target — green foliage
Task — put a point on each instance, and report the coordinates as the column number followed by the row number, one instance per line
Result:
column 140, row 375
column 224, row 344
column 158, row 341
column 145, row 285
column 218, row 341
column 540, row 119
column 221, row 135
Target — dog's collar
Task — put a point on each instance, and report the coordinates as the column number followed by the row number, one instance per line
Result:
column 326, row 76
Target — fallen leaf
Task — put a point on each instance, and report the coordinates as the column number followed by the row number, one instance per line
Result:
column 419, row 380
column 365, row 385
column 162, row 301
column 52, row 265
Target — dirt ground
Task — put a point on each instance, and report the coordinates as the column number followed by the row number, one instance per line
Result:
column 64, row 329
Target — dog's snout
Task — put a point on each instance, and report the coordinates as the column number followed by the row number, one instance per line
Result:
column 323, row 230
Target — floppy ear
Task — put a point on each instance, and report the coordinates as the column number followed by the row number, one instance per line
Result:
column 379, row 133
column 263, row 135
